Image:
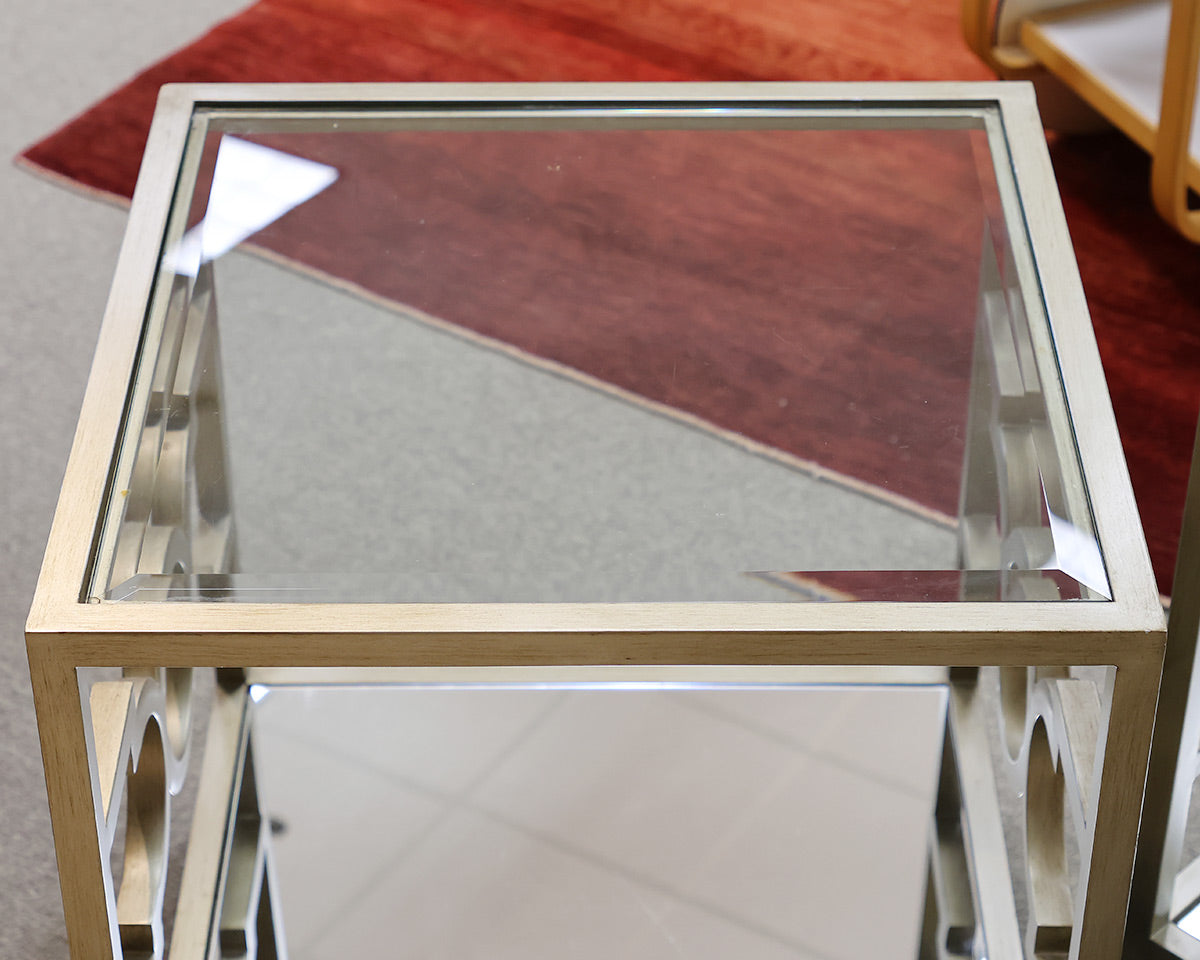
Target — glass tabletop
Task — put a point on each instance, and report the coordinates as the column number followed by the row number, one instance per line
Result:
column 540, row 353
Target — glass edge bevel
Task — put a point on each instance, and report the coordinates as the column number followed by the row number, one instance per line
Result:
column 96, row 583
column 1042, row 332
column 702, row 113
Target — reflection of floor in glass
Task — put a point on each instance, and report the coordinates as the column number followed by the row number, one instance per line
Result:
column 632, row 822
column 367, row 440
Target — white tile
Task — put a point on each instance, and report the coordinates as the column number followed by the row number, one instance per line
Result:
column 634, row 778
column 478, row 889
column 623, row 822
column 343, row 824
column 798, row 716
column 893, row 734
column 833, row 861
column 437, row 739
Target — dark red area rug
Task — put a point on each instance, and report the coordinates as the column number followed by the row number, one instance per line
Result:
column 1140, row 278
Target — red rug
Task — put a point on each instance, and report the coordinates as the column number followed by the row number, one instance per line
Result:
column 1140, row 279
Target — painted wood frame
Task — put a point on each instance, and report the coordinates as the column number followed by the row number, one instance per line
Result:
column 1166, row 888
column 76, row 639
column 1175, row 171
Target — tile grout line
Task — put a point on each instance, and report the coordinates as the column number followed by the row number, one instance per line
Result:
column 450, row 804
column 833, row 760
column 633, row 877
column 464, row 800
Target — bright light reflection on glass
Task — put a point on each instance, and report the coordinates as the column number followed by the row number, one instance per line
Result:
column 260, row 691
column 252, row 187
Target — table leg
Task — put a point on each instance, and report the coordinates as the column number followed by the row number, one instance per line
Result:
column 125, row 751
column 1107, row 860
column 88, row 911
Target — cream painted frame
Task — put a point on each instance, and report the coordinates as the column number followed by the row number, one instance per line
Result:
column 66, row 634
column 1165, row 888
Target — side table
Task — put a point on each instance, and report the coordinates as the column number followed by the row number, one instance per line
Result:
column 744, row 395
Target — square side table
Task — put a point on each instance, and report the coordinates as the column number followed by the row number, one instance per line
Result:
column 982, row 537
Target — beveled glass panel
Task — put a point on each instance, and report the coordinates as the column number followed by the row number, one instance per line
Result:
column 655, row 354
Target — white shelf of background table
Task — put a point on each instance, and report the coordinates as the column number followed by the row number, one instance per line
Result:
column 1112, row 55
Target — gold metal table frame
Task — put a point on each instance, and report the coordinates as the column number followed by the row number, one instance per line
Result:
column 112, row 680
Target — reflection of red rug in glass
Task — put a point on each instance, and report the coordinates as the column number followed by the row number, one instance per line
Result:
column 1140, row 278
column 765, row 282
